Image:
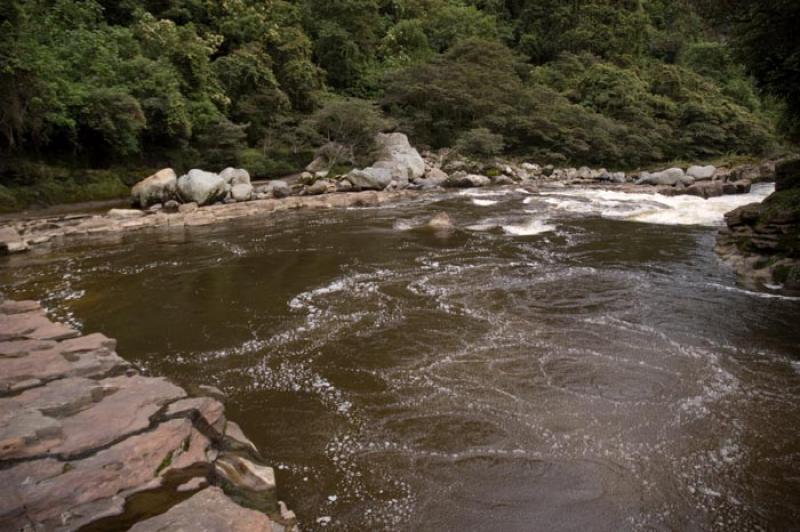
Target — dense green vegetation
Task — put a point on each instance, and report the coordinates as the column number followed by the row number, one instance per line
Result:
column 99, row 84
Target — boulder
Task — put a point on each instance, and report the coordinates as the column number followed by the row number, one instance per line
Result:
column 11, row 241
column 242, row 192
column 743, row 186
column 670, row 177
column 235, row 176
column 435, row 176
column 171, row 207
column 317, row 188
column 701, row 173
column 158, row 188
column 504, row 180
column 465, row 180
column 280, row 189
column 201, row 187
column 344, row 186
column 370, row 178
column 397, row 161
column 706, row 189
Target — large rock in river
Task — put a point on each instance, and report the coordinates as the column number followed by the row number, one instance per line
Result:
column 158, row 188
column 701, row 173
column 670, row 177
column 397, row 161
column 201, row 187
column 762, row 241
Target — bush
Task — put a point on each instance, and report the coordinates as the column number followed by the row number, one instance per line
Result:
column 351, row 123
column 480, row 143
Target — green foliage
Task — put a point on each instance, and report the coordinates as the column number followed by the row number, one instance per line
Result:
column 480, row 143
column 766, row 40
column 101, row 84
column 350, row 123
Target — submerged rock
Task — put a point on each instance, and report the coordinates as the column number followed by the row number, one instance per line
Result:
column 441, row 221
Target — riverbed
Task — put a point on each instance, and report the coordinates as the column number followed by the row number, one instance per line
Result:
column 565, row 360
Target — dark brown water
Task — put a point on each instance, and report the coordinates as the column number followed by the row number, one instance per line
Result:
column 560, row 371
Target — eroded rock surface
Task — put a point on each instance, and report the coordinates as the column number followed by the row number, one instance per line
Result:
column 83, row 434
column 762, row 241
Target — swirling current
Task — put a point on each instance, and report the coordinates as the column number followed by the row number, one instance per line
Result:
column 571, row 360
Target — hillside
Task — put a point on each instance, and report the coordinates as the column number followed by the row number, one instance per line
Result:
column 95, row 92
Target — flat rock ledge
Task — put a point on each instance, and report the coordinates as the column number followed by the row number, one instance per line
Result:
column 21, row 235
column 88, row 442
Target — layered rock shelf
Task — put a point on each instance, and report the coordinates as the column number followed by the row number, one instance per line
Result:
column 21, row 235
column 89, row 442
column 762, row 240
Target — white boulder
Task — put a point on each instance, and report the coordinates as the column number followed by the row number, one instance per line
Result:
column 201, row 187
column 701, row 172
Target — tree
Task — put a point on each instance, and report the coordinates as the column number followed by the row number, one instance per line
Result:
column 351, row 124
column 766, row 39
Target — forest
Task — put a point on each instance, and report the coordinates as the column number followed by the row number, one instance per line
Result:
column 94, row 93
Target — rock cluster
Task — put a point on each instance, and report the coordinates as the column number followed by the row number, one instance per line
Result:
column 164, row 189
column 84, row 436
column 707, row 181
column 762, row 241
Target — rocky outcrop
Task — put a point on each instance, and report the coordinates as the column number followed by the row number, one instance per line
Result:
column 397, row 162
column 203, row 188
column 160, row 187
column 670, row 177
column 762, row 241
column 84, row 436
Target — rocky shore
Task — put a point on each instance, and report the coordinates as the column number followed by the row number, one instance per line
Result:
column 762, row 240
column 203, row 198
column 87, row 442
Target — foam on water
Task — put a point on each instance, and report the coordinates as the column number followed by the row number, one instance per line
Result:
column 533, row 226
column 484, row 203
column 653, row 208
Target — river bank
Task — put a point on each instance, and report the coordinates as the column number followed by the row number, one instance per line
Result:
column 89, row 442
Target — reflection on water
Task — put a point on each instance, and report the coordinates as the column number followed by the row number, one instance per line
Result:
column 552, row 367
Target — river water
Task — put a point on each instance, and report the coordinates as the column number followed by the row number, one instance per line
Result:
column 573, row 360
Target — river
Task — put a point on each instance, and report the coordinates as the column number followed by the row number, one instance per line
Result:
column 572, row 360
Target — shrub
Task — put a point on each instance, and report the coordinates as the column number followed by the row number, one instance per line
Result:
column 480, row 143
